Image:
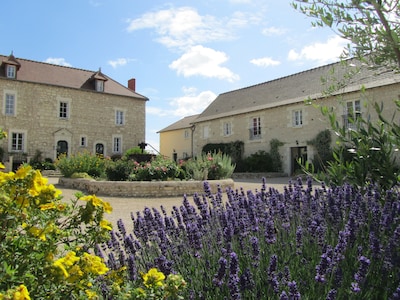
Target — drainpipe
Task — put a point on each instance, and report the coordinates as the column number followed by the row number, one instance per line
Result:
column 192, row 128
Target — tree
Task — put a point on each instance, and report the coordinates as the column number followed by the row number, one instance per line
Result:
column 371, row 27
column 373, row 31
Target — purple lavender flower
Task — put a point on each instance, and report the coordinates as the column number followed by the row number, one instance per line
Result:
column 283, row 296
column 256, row 250
column 362, row 270
column 219, row 277
column 324, row 266
column 132, row 270
column 294, row 293
column 299, row 239
column 246, row 281
column 355, row 288
column 270, row 231
column 233, row 282
column 331, row 295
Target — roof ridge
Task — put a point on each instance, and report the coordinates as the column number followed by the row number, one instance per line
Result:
column 283, row 77
column 53, row 64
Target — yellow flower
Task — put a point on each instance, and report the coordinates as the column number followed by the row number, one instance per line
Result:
column 67, row 261
column 47, row 206
column 21, row 293
column 94, row 264
column 153, row 278
column 107, row 207
column 37, row 232
column 90, row 294
column 105, row 224
column 2, row 166
column 22, row 172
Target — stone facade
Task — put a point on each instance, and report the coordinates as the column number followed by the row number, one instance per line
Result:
column 67, row 117
column 277, row 109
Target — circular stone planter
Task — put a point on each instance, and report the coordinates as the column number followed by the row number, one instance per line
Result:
column 143, row 188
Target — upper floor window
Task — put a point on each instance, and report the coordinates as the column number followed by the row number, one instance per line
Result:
column 351, row 114
column 9, row 104
column 63, row 110
column 117, row 144
column 11, row 71
column 206, row 132
column 119, row 117
column 255, row 129
column 227, row 128
column 18, row 141
column 297, row 118
column 99, row 85
column 186, row 134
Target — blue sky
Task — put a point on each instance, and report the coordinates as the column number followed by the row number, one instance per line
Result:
column 182, row 53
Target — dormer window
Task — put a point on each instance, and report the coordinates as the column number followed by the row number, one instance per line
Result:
column 99, row 81
column 11, row 71
column 11, row 66
column 99, row 85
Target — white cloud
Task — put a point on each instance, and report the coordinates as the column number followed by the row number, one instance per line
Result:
column 270, row 31
column 119, row 62
column 190, row 103
column 203, row 61
column 322, row 53
column 181, row 27
column 58, row 61
column 265, row 62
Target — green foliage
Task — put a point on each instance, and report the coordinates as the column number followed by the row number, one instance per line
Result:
column 209, row 166
column 159, row 168
column 119, row 170
column 275, row 155
column 82, row 162
column 322, row 143
column 37, row 162
column 371, row 27
column 261, row 161
column 45, row 242
column 134, row 150
column 233, row 149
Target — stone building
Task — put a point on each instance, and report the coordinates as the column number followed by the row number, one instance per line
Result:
column 55, row 109
column 278, row 110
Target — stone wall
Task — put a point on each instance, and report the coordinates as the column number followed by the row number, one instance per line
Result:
column 143, row 188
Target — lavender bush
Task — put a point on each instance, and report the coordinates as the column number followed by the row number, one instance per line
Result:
column 322, row 243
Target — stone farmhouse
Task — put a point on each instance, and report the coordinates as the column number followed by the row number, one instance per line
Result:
column 55, row 109
column 278, row 109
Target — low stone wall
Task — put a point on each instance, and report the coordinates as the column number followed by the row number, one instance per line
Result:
column 249, row 175
column 143, row 188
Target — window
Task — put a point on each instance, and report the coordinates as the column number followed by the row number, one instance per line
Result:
column 17, row 141
column 119, row 117
column 227, row 128
column 186, row 134
column 9, row 104
column 297, row 118
column 11, row 71
column 206, row 132
column 255, row 130
column 352, row 112
column 63, row 112
column 117, row 144
column 99, row 85
column 83, row 142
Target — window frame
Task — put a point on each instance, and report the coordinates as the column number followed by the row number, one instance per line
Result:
column 64, row 115
column 20, row 141
column 117, row 144
column 297, row 118
column 255, row 129
column 227, row 128
column 99, row 85
column 352, row 108
column 6, row 107
column 83, row 141
column 11, row 71
column 120, row 117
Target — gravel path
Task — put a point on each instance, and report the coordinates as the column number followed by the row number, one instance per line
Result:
column 123, row 206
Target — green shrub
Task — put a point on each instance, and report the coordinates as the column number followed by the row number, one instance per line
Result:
column 82, row 162
column 260, row 161
column 158, row 169
column 37, row 162
column 119, row 170
column 209, row 166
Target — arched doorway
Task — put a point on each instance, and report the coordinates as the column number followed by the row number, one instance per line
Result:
column 99, row 149
column 62, row 148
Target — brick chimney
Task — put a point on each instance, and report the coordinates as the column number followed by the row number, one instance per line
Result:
column 132, row 84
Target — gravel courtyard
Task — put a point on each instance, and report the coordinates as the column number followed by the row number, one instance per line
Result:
column 123, row 206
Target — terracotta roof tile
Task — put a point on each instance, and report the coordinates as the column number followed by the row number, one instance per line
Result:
column 45, row 73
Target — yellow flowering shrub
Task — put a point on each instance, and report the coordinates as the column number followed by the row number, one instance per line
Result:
column 46, row 243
